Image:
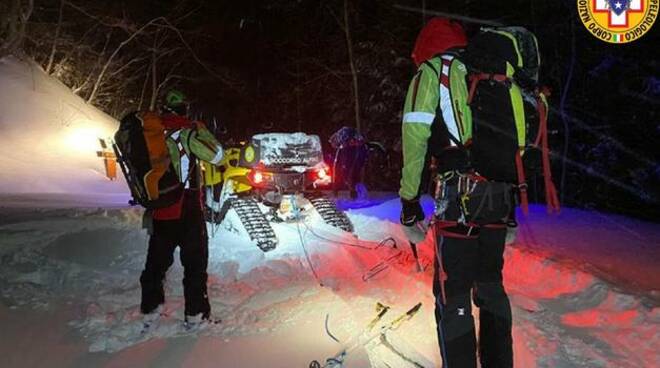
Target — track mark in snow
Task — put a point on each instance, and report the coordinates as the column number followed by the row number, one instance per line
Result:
column 563, row 316
column 576, row 318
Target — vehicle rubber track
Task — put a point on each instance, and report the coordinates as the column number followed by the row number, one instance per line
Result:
column 255, row 222
column 330, row 214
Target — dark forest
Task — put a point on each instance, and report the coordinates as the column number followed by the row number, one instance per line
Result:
column 314, row 66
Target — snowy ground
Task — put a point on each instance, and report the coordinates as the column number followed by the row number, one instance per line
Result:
column 584, row 288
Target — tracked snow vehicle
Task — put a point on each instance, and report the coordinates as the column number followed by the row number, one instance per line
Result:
column 276, row 177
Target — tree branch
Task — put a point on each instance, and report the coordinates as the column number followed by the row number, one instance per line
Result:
column 351, row 60
column 51, row 57
column 169, row 25
column 121, row 45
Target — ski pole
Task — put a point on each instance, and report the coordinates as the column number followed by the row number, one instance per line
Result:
column 413, row 246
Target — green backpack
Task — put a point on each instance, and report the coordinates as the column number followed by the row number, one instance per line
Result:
column 508, row 109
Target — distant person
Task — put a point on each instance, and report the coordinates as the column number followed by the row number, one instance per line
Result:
column 350, row 157
column 181, row 224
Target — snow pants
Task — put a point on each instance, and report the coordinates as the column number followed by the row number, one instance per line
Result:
column 189, row 233
column 466, row 270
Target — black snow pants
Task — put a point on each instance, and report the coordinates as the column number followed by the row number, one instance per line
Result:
column 189, row 233
column 469, row 269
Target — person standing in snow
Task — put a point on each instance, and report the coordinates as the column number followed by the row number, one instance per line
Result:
column 350, row 157
column 469, row 260
column 181, row 224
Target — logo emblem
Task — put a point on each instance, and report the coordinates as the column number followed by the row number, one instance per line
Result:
column 619, row 6
column 618, row 21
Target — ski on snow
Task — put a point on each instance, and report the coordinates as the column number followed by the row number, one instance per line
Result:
column 368, row 335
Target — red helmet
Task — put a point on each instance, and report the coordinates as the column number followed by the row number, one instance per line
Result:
column 437, row 36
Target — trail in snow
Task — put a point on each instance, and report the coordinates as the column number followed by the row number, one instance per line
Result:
column 83, row 265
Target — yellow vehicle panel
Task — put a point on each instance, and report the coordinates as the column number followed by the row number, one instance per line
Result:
column 226, row 170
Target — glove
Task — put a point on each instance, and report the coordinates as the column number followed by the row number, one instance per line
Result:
column 412, row 219
column 411, row 211
column 454, row 158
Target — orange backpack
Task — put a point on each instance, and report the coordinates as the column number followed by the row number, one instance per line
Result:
column 145, row 162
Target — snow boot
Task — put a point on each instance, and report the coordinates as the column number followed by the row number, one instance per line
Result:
column 150, row 320
column 199, row 321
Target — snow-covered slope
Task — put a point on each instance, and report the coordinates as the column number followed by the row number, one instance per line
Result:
column 70, row 294
column 49, row 138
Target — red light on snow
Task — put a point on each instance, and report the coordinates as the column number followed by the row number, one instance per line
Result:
column 322, row 174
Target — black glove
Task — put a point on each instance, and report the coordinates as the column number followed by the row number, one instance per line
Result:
column 532, row 159
column 454, row 158
column 411, row 212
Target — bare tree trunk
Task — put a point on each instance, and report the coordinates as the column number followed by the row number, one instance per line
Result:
column 144, row 89
column 72, row 50
column 130, row 38
column 154, row 77
column 84, row 84
column 349, row 45
column 25, row 14
column 298, row 88
column 170, row 75
column 12, row 25
column 49, row 67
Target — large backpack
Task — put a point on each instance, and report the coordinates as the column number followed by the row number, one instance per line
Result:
column 141, row 149
column 508, row 110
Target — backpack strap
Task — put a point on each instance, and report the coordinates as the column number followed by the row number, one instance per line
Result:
column 175, row 136
column 522, row 184
column 447, row 107
column 430, row 65
column 475, row 78
column 551, row 198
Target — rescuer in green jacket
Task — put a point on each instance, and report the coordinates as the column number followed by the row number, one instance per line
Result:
column 468, row 260
column 181, row 224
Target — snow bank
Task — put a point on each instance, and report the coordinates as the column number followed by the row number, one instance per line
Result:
column 602, row 244
column 49, row 137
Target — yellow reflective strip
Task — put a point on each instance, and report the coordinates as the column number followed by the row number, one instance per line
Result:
column 418, row 117
column 510, row 71
column 518, row 113
column 515, row 44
